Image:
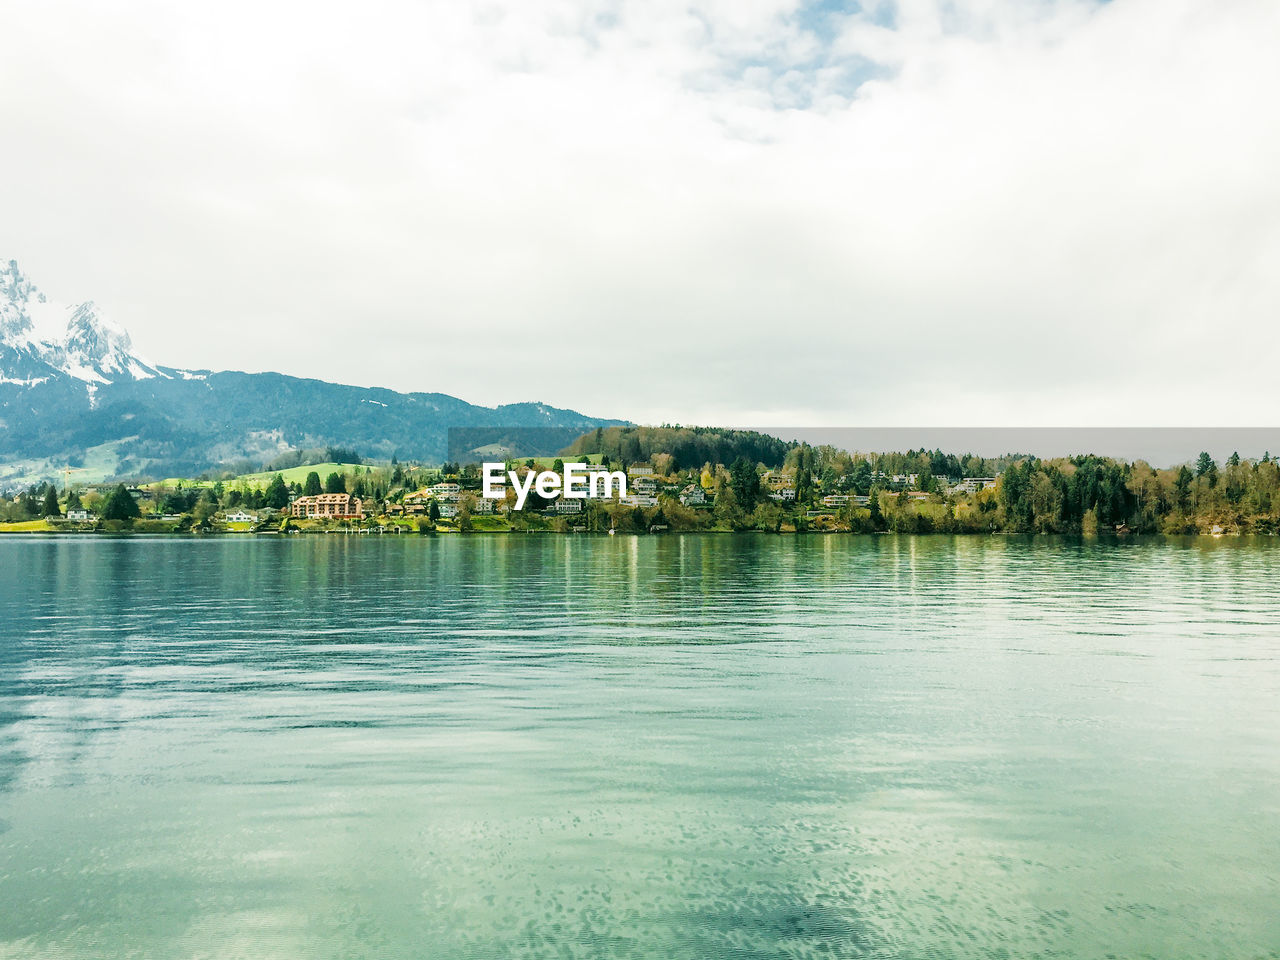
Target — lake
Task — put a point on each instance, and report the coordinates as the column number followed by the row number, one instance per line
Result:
column 687, row 746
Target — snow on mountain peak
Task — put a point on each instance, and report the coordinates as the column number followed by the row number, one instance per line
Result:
column 76, row 341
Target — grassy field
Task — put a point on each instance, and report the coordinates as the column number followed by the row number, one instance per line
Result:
column 26, row 526
column 299, row 474
column 489, row 522
column 292, row 475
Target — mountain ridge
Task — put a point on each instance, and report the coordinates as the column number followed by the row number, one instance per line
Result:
column 77, row 398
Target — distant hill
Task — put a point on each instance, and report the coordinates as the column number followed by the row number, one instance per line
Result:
column 74, row 394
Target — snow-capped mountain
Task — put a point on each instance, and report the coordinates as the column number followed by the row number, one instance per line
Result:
column 41, row 339
column 77, row 401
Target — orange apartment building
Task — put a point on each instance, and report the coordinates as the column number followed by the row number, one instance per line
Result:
column 331, row 505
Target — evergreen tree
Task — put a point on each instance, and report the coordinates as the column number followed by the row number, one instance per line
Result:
column 51, row 502
column 312, row 487
column 335, row 484
column 804, row 486
column 745, row 482
column 277, row 494
column 1182, row 488
column 862, row 477
column 73, row 502
column 433, row 510
column 1204, row 465
column 877, row 516
column 120, row 505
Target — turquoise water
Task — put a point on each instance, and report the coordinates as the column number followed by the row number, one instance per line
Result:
column 716, row 746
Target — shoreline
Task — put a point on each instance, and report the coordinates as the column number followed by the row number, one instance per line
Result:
column 597, row 534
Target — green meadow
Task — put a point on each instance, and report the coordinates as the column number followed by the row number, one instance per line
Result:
column 260, row 480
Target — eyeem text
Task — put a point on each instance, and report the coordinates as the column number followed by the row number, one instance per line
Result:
column 580, row 480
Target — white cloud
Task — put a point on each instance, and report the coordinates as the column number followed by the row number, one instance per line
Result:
column 980, row 212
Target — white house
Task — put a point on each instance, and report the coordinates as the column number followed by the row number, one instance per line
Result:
column 241, row 516
column 693, row 496
column 81, row 515
column 974, row 484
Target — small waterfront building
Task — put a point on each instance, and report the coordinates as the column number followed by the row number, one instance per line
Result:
column 80, row 516
column 241, row 516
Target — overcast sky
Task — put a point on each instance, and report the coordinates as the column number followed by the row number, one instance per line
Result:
column 722, row 211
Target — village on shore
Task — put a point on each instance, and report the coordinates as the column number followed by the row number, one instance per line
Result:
column 767, row 486
column 450, row 500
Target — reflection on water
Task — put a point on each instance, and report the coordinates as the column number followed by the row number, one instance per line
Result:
column 670, row 747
